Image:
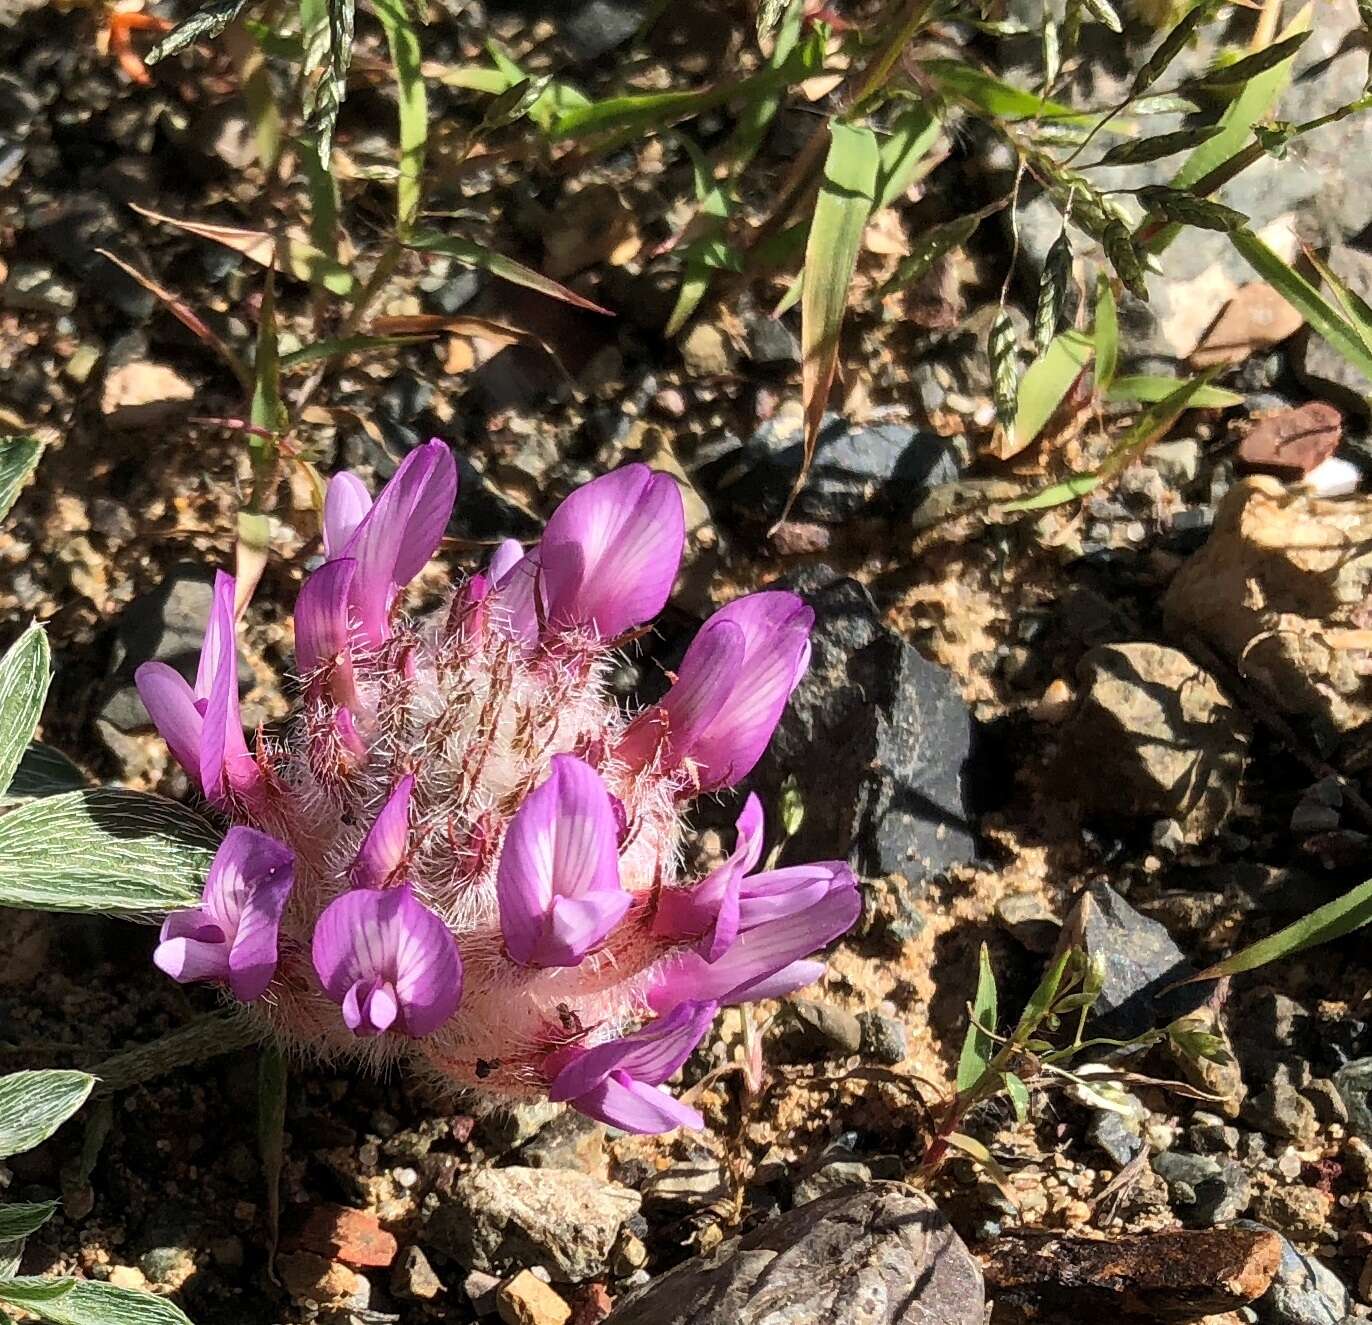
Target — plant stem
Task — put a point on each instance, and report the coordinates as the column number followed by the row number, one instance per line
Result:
column 207, row 1037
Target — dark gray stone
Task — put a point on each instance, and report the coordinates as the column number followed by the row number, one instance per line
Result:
column 1281, row 1110
column 1354, row 1083
column 771, row 342
column 73, row 228
column 891, row 791
column 878, row 1255
column 593, row 28
column 168, row 625
column 1304, row 1292
column 825, row 1029
column 884, row 1039
column 1203, row 1189
column 1138, row 961
column 881, row 468
column 1112, row 1135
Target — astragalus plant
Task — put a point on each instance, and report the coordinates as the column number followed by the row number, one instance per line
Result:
column 461, row 855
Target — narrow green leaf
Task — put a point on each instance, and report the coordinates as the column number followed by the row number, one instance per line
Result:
column 1147, row 390
column 403, row 41
column 20, row 1218
column 33, row 1105
column 998, row 98
column 1354, row 306
column 268, row 411
column 1056, row 494
column 1043, row 997
column 470, row 254
column 1125, row 258
column 1107, row 332
column 977, row 1151
column 1326, row 320
column 25, row 671
column 1139, row 150
column 204, row 25
column 86, row 1302
column 329, row 349
column 44, row 771
column 978, row 1047
column 104, row 850
column 18, row 459
column 1325, row 923
column 1046, row 383
column 1019, row 1096
column 1242, row 71
column 913, row 132
column 846, row 194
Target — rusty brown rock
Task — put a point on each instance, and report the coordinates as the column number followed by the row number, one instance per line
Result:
column 354, row 1237
column 1176, row 1277
column 1293, row 441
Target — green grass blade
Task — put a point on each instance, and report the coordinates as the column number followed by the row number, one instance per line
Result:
column 912, row 134
column 1328, row 922
column 470, row 254
column 978, row 1048
column 403, row 41
column 1146, row 390
column 845, row 202
column 1326, row 320
column 1107, row 332
column 1046, row 383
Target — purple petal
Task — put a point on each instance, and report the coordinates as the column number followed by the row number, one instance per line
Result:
column 650, row 1054
column 225, row 764
column 321, row 615
column 383, row 849
column 704, row 684
column 188, row 959
column 777, row 893
column 400, row 533
column 562, row 843
column 171, row 704
column 780, row 983
column 757, row 955
column 632, row 1106
column 611, row 551
column 369, row 941
column 346, row 726
column 776, row 628
column 504, row 559
column 515, row 594
column 346, row 503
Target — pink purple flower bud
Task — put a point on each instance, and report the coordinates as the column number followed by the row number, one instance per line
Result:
column 618, row 1082
column 388, row 962
column 201, row 724
column 484, row 851
column 730, row 692
column 558, row 883
column 231, row 937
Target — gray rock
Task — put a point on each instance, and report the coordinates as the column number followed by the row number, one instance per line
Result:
column 884, row 1039
column 880, row 1255
column 825, row 1029
column 1318, row 364
column 1138, row 961
column 168, row 625
column 1152, row 737
column 1281, row 1110
column 771, row 341
column 502, row 1220
column 880, row 468
column 1113, row 1136
column 73, row 228
column 1304, row 1292
column 897, row 736
column 693, row 1180
column 593, row 28
column 1203, row 1189
column 34, row 287
column 1354, row 1082
column 843, row 1175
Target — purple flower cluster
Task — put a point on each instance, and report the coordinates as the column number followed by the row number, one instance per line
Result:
column 461, row 852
